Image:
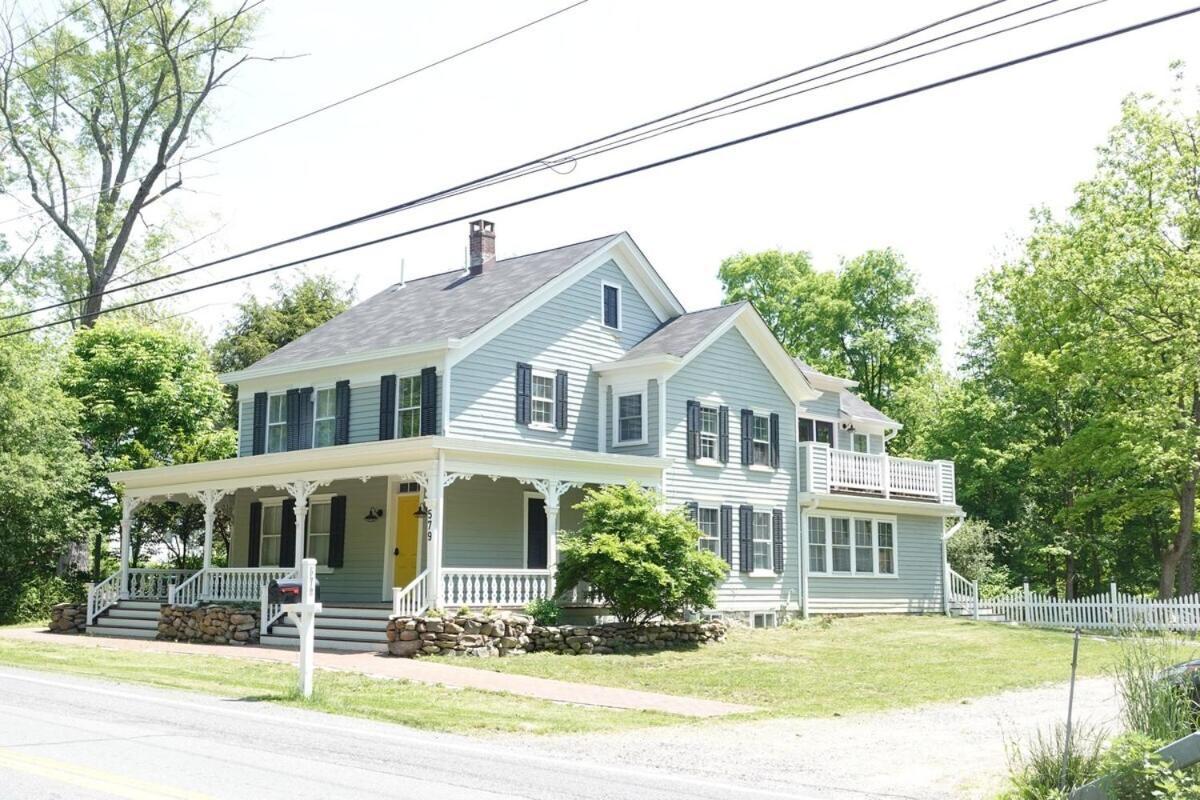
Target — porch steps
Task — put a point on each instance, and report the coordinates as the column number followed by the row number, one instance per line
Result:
column 131, row 619
column 337, row 628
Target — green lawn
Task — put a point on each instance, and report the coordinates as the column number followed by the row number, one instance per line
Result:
column 418, row 705
column 840, row 665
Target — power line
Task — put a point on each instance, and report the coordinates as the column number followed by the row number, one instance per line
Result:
column 649, row 166
column 12, row 50
column 336, row 103
column 495, row 177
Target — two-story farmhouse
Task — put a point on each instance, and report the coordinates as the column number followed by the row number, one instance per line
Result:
column 426, row 446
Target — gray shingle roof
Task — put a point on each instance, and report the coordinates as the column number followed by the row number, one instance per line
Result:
column 680, row 335
column 850, row 403
column 449, row 305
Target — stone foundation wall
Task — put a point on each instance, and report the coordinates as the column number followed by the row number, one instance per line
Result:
column 508, row 634
column 619, row 637
column 217, row 624
column 68, row 618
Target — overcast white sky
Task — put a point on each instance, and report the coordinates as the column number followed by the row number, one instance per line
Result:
column 947, row 178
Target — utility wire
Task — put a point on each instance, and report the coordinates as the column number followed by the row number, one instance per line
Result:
column 12, row 50
column 878, row 101
column 483, row 182
column 340, row 102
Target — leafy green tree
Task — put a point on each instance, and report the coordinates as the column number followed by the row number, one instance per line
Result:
column 42, row 472
column 866, row 321
column 94, row 112
column 645, row 562
column 260, row 329
column 148, row 397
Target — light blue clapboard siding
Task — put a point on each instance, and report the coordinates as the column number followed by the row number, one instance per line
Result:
column 827, row 405
column 360, row 578
column 485, row 522
column 564, row 333
column 917, row 586
column 364, row 413
column 246, row 428
column 650, row 448
column 729, row 372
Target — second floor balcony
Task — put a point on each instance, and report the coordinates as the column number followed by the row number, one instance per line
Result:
column 825, row 470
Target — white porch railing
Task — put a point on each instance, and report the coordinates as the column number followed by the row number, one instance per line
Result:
column 269, row 613
column 493, row 587
column 581, row 595
column 411, row 600
column 154, row 584
column 825, row 470
column 227, row 585
column 103, row 596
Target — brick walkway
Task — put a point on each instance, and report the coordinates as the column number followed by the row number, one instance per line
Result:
column 430, row 670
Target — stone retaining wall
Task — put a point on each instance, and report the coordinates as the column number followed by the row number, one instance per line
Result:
column 508, row 634
column 218, row 624
column 68, row 618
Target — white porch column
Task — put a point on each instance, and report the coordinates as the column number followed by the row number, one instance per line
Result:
column 300, row 492
column 434, row 494
column 210, row 498
column 552, row 490
column 128, row 506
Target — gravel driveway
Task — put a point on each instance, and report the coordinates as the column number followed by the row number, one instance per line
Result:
column 936, row 752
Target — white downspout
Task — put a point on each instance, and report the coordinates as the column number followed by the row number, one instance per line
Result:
column 803, row 542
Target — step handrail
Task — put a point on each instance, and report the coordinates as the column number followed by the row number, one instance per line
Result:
column 186, row 593
column 103, row 596
column 412, row 600
column 964, row 592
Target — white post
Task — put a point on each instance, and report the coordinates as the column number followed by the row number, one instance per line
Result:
column 1028, row 614
column 551, row 543
column 304, row 614
column 210, row 498
column 128, row 505
column 434, row 495
column 975, row 599
column 1112, row 599
column 887, row 475
column 300, row 492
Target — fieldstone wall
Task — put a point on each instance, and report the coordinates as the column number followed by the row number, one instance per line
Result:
column 216, row 624
column 621, row 637
column 508, row 634
column 68, row 618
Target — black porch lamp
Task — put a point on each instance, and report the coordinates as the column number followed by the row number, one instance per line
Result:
column 422, row 511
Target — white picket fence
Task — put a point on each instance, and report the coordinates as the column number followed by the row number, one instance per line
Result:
column 1112, row 611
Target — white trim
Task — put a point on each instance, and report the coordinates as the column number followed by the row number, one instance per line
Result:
column 851, row 504
column 828, row 515
column 401, row 376
column 617, row 394
column 534, row 373
column 708, row 507
column 620, row 306
column 267, row 425
column 662, row 417
column 337, row 362
column 316, row 392
column 602, row 416
column 769, row 569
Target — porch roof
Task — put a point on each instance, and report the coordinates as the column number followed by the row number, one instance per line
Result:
column 393, row 457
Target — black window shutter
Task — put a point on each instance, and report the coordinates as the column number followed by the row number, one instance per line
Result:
column 304, row 435
column 387, row 407
column 723, row 438
column 727, row 534
column 804, row 429
column 777, row 539
column 287, row 538
column 824, row 432
column 429, row 401
column 341, row 402
column 524, row 389
column 255, row 534
column 560, row 400
column 746, row 538
column 693, row 429
column 747, row 437
column 693, row 510
column 293, row 419
column 259, row 445
column 337, row 530
column 775, row 440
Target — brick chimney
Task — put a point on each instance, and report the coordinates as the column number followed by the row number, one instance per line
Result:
column 483, row 246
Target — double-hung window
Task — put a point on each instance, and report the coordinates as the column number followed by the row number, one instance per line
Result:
column 318, row 520
column 860, row 443
column 816, row 544
column 840, row 545
column 761, row 440
column 631, row 408
column 762, row 540
column 863, row 547
column 272, row 530
column 408, row 406
column 277, row 423
column 886, row 544
column 324, row 416
column 709, row 423
column 855, row 546
column 709, row 522
column 541, row 411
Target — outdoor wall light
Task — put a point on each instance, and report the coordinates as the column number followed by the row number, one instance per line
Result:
column 373, row 514
column 422, row 511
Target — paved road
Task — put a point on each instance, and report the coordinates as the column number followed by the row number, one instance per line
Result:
column 68, row 737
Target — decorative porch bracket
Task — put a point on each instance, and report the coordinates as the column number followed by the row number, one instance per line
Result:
column 300, row 491
column 209, row 498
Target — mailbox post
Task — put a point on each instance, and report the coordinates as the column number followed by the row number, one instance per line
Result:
column 304, row 616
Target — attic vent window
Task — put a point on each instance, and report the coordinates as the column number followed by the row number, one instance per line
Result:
column 611, row 305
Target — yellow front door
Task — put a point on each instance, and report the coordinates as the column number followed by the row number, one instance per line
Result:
column 407, row 542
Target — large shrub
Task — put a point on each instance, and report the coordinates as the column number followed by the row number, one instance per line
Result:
column 644, row 561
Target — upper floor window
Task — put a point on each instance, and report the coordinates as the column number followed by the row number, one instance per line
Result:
column 761, row 440
column 709, row 431
column 630, row 418
column 277, row 423
column 860, row 443
column 324, row 416
column 542, row 397
column 815, row 430
column 709, row 522
column 408, row 402
column 611, row 305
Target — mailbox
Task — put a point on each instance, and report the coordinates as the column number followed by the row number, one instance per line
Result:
column 288, row 591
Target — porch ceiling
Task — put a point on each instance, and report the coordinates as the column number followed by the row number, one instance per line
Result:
column 881, row 505
column 391, row 457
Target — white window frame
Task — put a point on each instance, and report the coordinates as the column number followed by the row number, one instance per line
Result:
column 620, row 305
column 269, row 425
column 874, row 520
column 716, row 537
column 617, row 394
column 270, row 502
column 766, row 464
column 823, row 544
column 316, row 405
column 866, row 442
column 769, row 619
column 714, row 437
column 768, row 568
column 400, row 410
column 534, row 400
column 318, row 500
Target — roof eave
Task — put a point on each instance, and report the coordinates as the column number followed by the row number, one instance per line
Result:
column 271, row 371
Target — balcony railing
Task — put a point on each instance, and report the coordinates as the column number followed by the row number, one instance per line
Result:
column 824, row 470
